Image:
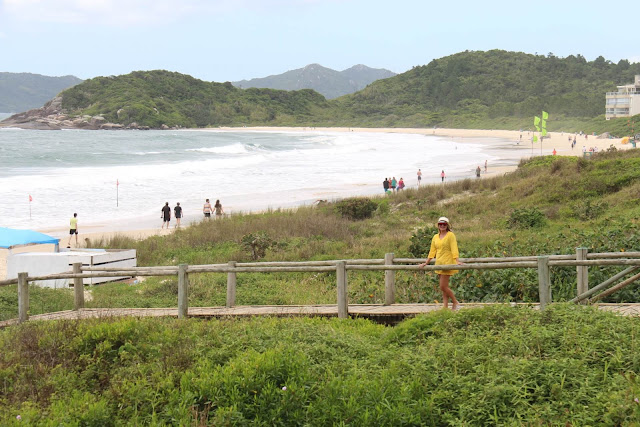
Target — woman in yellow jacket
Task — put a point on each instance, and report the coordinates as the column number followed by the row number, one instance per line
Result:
column 444, row 248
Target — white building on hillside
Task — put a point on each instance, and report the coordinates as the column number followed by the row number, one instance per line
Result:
column 625, row 102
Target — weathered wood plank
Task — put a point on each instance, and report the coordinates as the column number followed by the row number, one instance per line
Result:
column 359, row 310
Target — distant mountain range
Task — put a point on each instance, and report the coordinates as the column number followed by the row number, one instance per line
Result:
column 330, row 83
column 24, row 91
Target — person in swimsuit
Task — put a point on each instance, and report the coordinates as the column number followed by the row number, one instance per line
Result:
column 207, row 209
column 166, row 215
column 444, row 248
column 218, row 208
column 419, row 177
column 178, row 213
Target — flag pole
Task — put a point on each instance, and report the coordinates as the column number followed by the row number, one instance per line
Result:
column 30, row 199
column 117, row 197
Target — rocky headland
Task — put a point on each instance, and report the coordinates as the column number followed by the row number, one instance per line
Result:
column 52, row 116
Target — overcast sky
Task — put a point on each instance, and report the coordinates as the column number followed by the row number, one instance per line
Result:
column 229, row 40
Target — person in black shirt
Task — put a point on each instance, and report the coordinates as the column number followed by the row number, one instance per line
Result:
column 178, row 212
column 385, row 185
column 166, row 215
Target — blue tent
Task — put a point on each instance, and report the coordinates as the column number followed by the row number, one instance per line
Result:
column 10, row 237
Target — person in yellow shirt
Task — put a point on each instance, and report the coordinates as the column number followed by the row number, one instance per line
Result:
column 73, row 229
column 444, row 248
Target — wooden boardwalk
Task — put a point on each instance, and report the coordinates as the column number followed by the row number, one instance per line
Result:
column 385, row 313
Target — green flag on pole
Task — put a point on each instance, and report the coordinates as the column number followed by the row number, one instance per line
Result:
column 544, row 132
column 536, row 122
column 535, row 138
column 544, row 124
column 545, row 115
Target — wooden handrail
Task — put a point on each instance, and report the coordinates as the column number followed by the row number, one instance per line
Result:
column 582, row 260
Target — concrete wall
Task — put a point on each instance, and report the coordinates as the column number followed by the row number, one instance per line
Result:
column 5, row 253
column 41, row 264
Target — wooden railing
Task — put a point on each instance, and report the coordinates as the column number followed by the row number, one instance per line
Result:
column 582, row 260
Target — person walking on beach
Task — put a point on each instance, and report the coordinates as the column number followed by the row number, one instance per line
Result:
column 218, row 208
column 207, row 209
column 394, row 184
column 444, row 248
column 485, row 166
column 177, row 210
column 401, row 184
column 442, row 175
column 166, row 215
column 385, row 185
column 419, row 177
column 478, row 170
column 73, row 229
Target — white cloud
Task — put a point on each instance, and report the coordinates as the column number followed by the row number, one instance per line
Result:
column 104, row 12
column 133, row 12
column 634, row 59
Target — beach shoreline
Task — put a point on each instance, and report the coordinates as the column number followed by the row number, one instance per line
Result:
column 520, row 147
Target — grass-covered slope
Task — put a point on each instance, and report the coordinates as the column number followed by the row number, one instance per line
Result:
column 571, row 365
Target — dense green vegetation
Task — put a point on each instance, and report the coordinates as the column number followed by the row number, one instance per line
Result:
column 24, row 91
column 571, row 365
column 471, row 88
column 494, row 89
column 154, row 98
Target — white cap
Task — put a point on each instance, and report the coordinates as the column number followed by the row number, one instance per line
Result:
column 443, row 219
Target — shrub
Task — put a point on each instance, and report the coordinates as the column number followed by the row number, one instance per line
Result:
column 257, row 244
column 587, row 209
column 526, row 218
column 421, row 241
column 356, row 208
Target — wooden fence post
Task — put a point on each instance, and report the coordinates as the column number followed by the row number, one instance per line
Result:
column 231, row 285
column 582, row 271
column 78, row 287
column 544, row 281
column 23, row 297
column 341, row 277
column 389, row 281
column 183, row 291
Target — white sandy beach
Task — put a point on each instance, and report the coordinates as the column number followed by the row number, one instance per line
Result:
column 521, row 145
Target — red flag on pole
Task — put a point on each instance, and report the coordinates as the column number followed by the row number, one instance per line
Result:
column 30, row 198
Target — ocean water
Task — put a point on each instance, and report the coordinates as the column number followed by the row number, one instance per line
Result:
column 121, row 179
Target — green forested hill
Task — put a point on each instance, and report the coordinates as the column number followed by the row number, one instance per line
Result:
column 471, row 86
column 24, row 91
column 495, row 89
column 330, row 83
column 154, row 98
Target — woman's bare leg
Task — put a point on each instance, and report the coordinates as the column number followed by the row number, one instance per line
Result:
column 447, row 293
